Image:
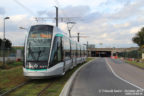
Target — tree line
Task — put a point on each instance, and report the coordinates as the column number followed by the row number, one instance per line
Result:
column 131, row 54
column 5, row 43
column 139, row 39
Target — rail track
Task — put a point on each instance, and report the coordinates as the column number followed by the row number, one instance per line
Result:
column 16, row 87
column 48, row 85
column 26, row 82
column 43, row 90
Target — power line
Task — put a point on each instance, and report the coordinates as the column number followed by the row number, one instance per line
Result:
column 66, row 18
column 23, row 6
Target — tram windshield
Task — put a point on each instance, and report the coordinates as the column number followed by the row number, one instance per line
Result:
column 39, row 42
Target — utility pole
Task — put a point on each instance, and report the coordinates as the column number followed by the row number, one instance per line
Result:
column 87, row 44
column 87, row 49
column 3, row 43
column 56, row 16
column 69, row 33
column 78, row 37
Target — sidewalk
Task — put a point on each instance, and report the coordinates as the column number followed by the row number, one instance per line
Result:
column 128, row 72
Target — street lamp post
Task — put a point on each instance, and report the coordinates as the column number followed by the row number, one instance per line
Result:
column 70, row 26
column 4, row 25
column 4, row 41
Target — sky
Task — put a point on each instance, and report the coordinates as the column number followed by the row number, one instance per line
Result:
column 106, row 23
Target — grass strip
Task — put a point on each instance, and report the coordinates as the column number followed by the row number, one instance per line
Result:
column 10, row 65
column 33, row 88
column 137, row 64
column 10, row 78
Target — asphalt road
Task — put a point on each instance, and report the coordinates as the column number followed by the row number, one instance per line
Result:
column 96, row 79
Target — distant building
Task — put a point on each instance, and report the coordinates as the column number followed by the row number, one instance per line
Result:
column 91, row 46
column 107, row 52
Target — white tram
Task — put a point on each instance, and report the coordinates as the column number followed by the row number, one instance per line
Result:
column 49, row 52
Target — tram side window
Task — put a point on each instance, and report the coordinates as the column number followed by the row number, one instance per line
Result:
column 78, row 50
column 56, row 55
column 66, row 48
column 84, row 51
column 74, row 50
column 81, row 51
column 71, row 49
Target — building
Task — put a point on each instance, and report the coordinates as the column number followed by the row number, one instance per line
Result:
column 91, row 46
column 107, row 52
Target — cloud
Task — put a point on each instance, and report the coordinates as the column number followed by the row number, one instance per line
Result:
column 91, row 3
column 75, row 11
column 124, row 25
column 67, row 11
column 17, row 21
column 129, row 10
column 13, row 33
column 135, row 30
column 92, row 17
column 41, row 12
column 111, row 22
column 2, row 11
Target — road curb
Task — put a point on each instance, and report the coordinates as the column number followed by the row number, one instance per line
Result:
column 65, row 91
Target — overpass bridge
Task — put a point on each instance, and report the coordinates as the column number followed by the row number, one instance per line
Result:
column 107, row 52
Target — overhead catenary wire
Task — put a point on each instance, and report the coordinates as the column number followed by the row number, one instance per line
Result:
column 68, row 19
column 65, row 15
column 64, row 18
column 21, row 23
column 26, row 8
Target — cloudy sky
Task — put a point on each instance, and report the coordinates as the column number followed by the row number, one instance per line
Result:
column 110, row 22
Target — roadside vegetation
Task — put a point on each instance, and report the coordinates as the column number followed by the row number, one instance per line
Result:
column 135, row 57
column 10, row 64
column 10, row 52
column 11, row 77
column 136, row 54
column 135, row 63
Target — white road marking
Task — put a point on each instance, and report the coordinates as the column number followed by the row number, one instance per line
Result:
column 122, row 78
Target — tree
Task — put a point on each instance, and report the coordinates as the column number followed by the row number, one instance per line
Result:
column 139, row 38
column 8, row 43
column 0, row 42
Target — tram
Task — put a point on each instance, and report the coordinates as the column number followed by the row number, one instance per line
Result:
column 50, row 52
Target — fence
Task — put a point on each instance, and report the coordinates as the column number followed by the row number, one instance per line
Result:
column 11, row 54
column 132, row 54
